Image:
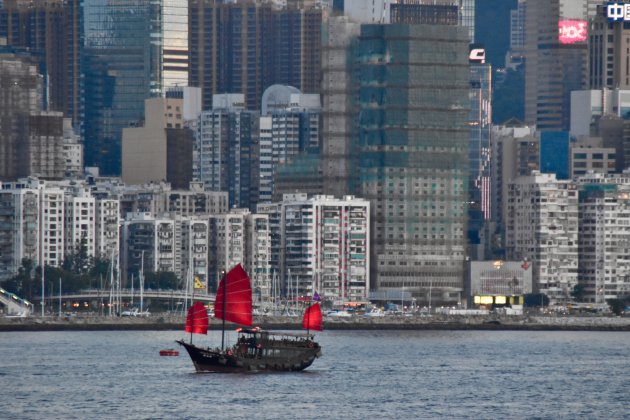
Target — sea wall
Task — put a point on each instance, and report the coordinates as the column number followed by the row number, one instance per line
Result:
column 441, row 322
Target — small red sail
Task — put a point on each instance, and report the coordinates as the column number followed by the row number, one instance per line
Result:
column 197, row 320
column 312, row 318
column 235, row 294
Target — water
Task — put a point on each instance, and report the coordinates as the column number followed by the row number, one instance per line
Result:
column 362, row 375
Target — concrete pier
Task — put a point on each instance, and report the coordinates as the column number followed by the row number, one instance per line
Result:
column 437, row 322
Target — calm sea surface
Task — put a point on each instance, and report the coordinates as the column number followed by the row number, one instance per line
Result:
column 362, row 375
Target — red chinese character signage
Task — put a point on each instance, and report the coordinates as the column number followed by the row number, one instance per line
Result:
column 572, row 31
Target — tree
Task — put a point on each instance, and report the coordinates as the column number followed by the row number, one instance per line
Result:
column 578, row 292
column 78, row 261
column 21, row 283
column 617, row 306
column 160, row 280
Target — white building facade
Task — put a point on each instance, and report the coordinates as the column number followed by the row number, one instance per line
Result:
column 604, row 241
column 542, row 228
column 325, row 247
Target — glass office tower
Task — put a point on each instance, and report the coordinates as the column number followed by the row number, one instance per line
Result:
column 134, row 49
column 412, row 151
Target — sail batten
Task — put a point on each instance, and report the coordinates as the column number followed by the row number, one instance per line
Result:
column 197, row 319
column 234, row 298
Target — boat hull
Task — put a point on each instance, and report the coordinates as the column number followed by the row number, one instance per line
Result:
column 276, row 359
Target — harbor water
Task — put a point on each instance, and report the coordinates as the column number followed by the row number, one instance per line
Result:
column 361, row 375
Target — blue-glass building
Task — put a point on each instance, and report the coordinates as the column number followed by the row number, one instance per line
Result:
column 554, row 153
column 479, row 149
column 133, row 50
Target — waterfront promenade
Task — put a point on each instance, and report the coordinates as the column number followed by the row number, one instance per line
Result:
column 436, row 322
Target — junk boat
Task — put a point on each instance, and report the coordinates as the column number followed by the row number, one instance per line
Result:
column 255, row 349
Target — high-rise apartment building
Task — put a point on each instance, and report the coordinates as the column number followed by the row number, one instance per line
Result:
column 604, row 236
column 80, row 222
column 19, row 227
column 515, row 152
column 289, row 126
column 325, row 247
column 20, row 97
column 542, row 229
column 412, row 148
column 194, row 252
column 228, row 150
column 107, row 218
column 33, row 142
column 52, row 225
column 240, row 237
column 438, row 12
column 148, row 243
column 53, row 31
column 247, row 46
column 45, row 144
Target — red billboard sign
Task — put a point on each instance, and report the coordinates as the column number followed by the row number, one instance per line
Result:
column 572, row 31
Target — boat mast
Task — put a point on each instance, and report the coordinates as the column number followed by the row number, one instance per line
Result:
column 192, row 301
column 118, row 285
column 43, row 290
column 111, row 282
column 131, row 302
column 60, row 296
column 225, row 284
column 141, row 281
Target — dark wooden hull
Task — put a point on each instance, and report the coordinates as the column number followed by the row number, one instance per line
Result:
column 282, row 357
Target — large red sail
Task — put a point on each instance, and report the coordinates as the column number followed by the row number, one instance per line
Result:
column 312, row 318
column 235, row 293
column 197, row 320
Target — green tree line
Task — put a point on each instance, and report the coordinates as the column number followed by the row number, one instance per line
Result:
column 77, row 272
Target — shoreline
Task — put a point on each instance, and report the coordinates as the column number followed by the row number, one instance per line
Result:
column 176, row 323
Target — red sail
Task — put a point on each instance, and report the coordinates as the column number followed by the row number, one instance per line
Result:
column 312, row 318
column 197, row 320
column 235, row 292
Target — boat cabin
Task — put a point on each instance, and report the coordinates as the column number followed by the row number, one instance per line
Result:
column 256, row 342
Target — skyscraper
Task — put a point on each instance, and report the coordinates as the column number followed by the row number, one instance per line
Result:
column 133, row 50
column 338, row 39
column 53, row 31
column 292, row 121
column 31, row 140
column 609, row 57
column 555, row 59
column 479, row 148
column 412, row 148
column 228, row 149
column 412, row 11
column 247, row 46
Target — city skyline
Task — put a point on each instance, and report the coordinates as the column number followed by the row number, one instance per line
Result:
column 264, row 100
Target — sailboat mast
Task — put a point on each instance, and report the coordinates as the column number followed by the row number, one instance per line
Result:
column 141, row 281
column 111, row 283
column 225, row 285
column 192, row 302
column 131, row 300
